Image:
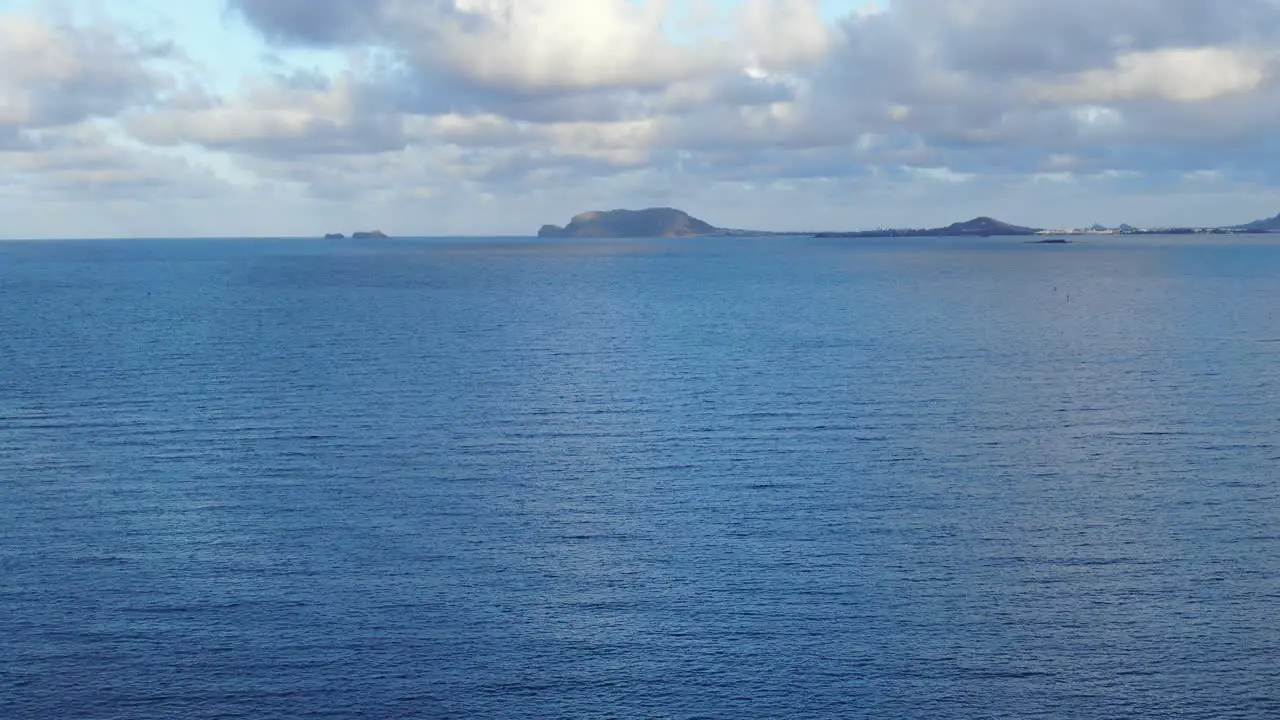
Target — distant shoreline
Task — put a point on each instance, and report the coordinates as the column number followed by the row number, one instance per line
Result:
column 670, row 222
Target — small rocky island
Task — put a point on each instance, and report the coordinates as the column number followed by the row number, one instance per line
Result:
column 649, row 223
column 362, row 235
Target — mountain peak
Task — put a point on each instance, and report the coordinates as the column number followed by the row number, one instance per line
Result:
column 984, row 225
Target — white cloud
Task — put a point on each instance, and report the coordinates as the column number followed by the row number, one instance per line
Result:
column 784, row 34
column 939, row 174
column 56, row 75
column 318, row 116
column 555, row 46
column 86, row 161
column 1182, row 75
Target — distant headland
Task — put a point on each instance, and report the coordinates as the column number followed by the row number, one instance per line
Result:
column 672, row 223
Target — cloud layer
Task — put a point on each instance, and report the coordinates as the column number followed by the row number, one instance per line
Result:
column 430, row 114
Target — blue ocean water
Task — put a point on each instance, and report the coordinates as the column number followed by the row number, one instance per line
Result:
column 753, row 478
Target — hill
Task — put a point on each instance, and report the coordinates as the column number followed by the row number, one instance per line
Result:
column 1265, row 225
column 977, row 227
column 984, row 226
column 649, row 223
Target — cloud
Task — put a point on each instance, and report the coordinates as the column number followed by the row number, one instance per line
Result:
column 62, row 86
column 1029, row 39
column 298, row 115
column 455, row 105
column 85, row 162
column 57, row 75
column 317, row 22
column 954, row 73
column 538, row 47
column 1182, row 75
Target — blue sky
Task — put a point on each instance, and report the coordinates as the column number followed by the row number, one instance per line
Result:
column 248, row 117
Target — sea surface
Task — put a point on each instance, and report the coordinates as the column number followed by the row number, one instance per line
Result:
column 727, row 478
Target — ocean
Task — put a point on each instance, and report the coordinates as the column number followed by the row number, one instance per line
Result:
column 714, row 478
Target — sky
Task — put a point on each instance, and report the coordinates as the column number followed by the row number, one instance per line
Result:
column 210, row 118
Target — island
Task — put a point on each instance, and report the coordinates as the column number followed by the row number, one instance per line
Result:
column 334, row 236
column 369, row 235
column 977, row 227
column 649, row 223
column 665, row 222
